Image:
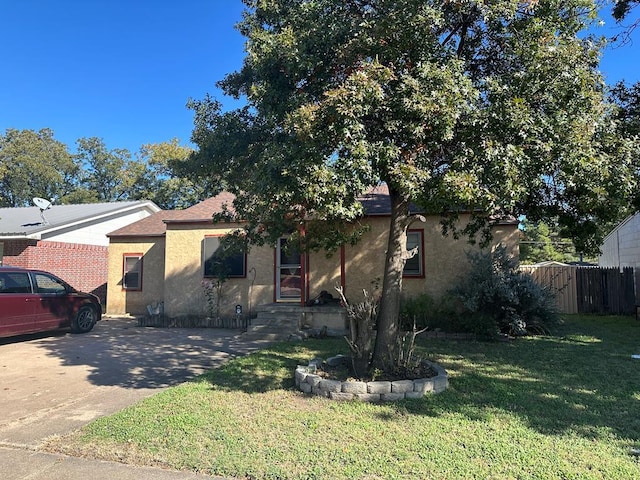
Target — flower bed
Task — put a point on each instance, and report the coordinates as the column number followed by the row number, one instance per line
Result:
column 309, row 381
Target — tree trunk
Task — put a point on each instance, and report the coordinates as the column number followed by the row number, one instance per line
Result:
column 386, row 345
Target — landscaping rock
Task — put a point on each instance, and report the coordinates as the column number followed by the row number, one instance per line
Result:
column 330, row 385
column 340, row 396
column 378, row 387
column 402, row 386
column 391, row 397
column 339, row 361
column 354, row 387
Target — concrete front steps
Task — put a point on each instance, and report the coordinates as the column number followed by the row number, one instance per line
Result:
column 286, row 321
column 275, row 322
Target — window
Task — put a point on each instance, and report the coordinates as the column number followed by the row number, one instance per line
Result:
column 47, row 284
column 15, row 282
column 223, row 260
column 132, row 274
column 414, row 265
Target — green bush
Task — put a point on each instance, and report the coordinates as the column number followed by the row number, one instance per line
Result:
column 496, row 297
column 429, row 313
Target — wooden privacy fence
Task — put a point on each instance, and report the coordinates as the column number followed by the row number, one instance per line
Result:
column 588, row 289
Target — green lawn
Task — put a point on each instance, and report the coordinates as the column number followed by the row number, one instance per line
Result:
column 560, row 407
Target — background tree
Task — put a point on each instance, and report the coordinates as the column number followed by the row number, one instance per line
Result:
column 494, row 106
column 34, row 164
column 542, row 242
column 110, row 175
column 163, row 186
column 627, row 116
column 627, row 99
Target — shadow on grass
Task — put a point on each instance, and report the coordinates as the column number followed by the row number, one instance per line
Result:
column 272, row 368
column 582, row 381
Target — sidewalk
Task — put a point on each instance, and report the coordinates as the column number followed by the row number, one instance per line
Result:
column 18, row 464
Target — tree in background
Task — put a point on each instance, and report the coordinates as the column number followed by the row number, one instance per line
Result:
column 627, row 98
column 627, row 115
column 111, row 175
column 542, row 242
column 34, row 164
column 163, row 187
column 494, row 106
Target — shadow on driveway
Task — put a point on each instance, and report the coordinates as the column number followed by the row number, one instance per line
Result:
column 119, row 353
column 56, row 382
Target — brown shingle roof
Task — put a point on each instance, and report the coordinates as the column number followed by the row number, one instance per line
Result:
column 156, row 225
column 151, row 226
column 203, row 211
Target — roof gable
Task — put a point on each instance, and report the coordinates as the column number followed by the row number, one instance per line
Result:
column 30, row 222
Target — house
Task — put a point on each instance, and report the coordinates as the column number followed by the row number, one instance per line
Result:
column 621, row 248
column 67, row 240
column 166, row 258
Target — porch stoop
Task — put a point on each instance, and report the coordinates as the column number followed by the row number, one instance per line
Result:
column 284, row 321
column 276, row 322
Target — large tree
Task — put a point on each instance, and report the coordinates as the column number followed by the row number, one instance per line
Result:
column 110, row 175
column 496, row 107
column 161, row 184
column 627, row 114
column 34, row 164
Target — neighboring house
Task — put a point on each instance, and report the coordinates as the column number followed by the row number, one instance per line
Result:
column 621, row 248
column 167, row 257
column 67, row 240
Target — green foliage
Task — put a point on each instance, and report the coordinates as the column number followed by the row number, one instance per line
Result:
column 34, row 164
column 622, row 8
column 110, row 174
column 478, row 112
column 162, row 184
column 417, row 310
column 496, row 297
column 495, row 108
column 540, row 242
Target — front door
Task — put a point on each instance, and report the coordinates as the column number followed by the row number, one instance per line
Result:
column 288, row 272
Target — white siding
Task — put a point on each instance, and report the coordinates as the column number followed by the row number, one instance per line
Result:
column 621, row 248
column 96, row 233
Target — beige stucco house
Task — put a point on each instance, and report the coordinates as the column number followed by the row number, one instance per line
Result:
column 166, row 257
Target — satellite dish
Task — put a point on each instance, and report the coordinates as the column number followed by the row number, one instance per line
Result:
column 42, row 203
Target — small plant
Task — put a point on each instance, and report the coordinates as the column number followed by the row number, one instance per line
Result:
column 362, row 319
column 407, row 363
column 213, row 294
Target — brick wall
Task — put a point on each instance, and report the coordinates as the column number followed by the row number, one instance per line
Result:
column 82, row 266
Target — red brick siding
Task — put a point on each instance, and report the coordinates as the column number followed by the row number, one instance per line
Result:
column 82, row 266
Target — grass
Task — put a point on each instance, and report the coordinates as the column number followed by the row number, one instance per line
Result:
column 565, row 406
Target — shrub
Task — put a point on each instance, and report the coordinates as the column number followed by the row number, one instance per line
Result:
column 496, row 297
column 425, row 312
column 418, row 310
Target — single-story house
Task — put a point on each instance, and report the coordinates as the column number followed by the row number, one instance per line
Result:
column 166, row 259
column 67, row 240
column 621, row 248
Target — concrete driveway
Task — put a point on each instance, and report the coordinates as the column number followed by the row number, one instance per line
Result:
column 51, row 384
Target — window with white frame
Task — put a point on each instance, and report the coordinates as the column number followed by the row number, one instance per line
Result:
column 222, row 260
column 132, row 271
column 414, row 266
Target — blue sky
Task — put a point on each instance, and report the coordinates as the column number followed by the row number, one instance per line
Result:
column 123, row 70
